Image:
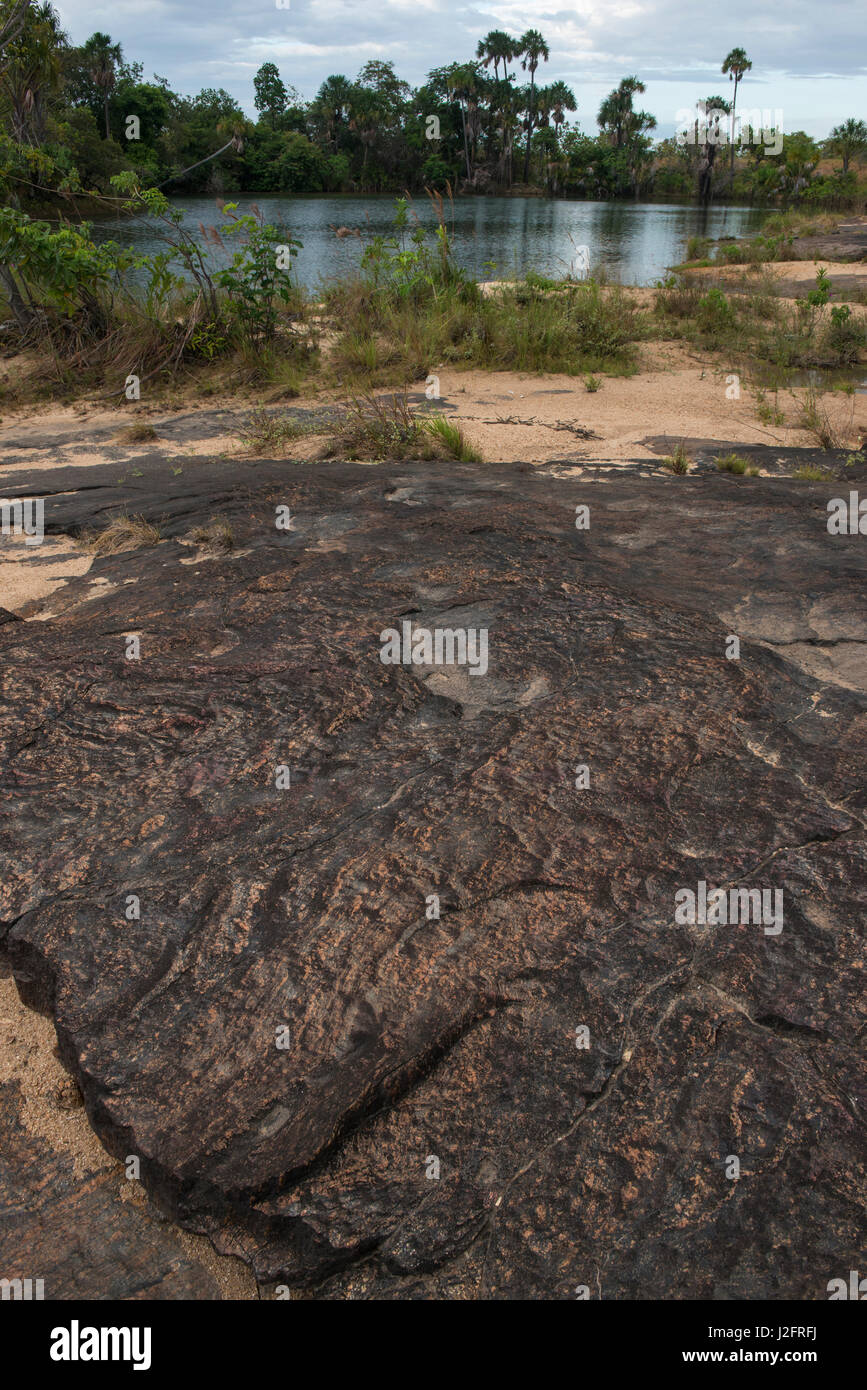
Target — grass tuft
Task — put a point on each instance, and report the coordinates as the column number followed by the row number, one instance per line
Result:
column 737, row 464
column 217, row 535
column 136, row 434
column 678, row 462
column 122, row 533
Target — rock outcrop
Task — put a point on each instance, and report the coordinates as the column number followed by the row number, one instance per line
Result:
column 388, row 996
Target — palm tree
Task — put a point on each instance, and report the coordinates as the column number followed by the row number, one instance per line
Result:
column 562, row 100
column 102, row 57
column 332, row 105
column 712, row 109
column 504, row 102
column 616, row 114
column 496, row 47
column 366, row 118
column 464, row 83
column 12, row 21
column 736, row 64
column 32, row 70
column 847, row 140
column 532, row 48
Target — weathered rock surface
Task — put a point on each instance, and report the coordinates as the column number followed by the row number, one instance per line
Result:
column 454, row 1039
column 69, row 1215
column 845, row 242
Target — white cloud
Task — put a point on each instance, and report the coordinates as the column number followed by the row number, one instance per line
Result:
column 675, row 46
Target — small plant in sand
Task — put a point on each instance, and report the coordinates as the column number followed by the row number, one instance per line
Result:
column 453, row 438
column 380, row 427
column 738, row 464
column 715, row 312
column 678, row 462
column 676, row 297
column 592, row 383
column 122, row 533
column 136, row 434
column 767, row 413
column 847, row 336
column 822, row 292
column 697, row 248
column 268, row 433
column 815, row 420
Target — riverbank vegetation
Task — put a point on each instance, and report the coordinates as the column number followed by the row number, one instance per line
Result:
column 410, row 307
column 73, row 117
column 84, row 325
column 751, row 321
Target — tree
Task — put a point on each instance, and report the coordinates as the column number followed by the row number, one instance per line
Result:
column 497, row 47
column 711, row 112
column 32, row 71
column 270, row 93
column 102, row 58
column 848, row 140
column 736, row 64
column 464, row 84
column 626, row 129
column 332, row 106
column 13, row 17
column 616, row 117
column 532, row 48
column 800, row 161
column 562, row 99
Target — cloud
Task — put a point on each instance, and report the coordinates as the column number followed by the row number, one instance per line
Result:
column 675, row 46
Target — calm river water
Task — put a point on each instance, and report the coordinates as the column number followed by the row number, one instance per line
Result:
column 494, row 237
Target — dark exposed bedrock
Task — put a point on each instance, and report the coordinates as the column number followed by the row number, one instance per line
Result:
column 413, row 1038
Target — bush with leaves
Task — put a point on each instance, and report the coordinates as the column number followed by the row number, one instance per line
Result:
column 412, row 263
column 847, row 336
column 45, row 269
column 258, row 279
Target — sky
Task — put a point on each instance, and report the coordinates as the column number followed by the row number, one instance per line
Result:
column 809, row 59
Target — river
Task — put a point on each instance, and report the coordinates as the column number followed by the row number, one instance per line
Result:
column 495, row 238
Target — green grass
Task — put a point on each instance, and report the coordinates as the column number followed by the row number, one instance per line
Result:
column 453, row 439
column 388, row 337
column 386, row 427
column 756, row 325
column 737, row 464
column 810, row 473
column 272, row 434
column 678, row 462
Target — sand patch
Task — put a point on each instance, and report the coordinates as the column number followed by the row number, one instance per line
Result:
column 32, row 572
column 514, row 417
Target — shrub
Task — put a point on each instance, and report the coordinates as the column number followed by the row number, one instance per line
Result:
column 715, row 312
column 737, row 464
column 847, row 336
column 678, row 462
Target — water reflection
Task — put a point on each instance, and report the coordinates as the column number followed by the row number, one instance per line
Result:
column 494, row 237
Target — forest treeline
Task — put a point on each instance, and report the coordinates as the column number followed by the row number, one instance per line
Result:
column 72, row 117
